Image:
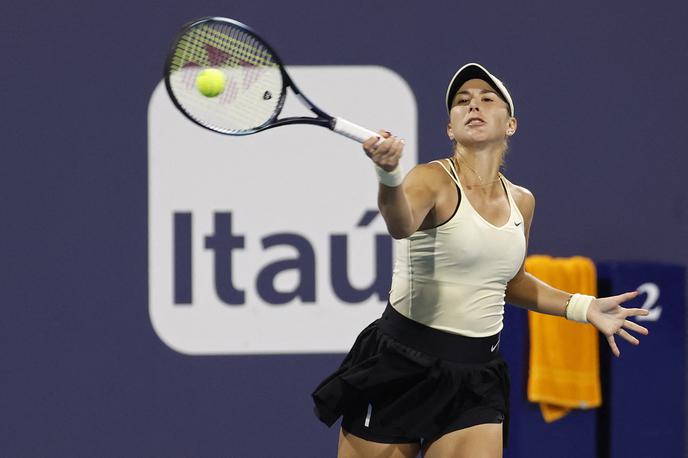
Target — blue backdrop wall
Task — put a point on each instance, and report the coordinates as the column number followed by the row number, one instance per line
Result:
column 601, row 101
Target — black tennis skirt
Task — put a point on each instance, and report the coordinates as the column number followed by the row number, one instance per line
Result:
column 403, row 381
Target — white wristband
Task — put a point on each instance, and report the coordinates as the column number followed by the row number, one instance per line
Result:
column 577, row 307
column 391, row 179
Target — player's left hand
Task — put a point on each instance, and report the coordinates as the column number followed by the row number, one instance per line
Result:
column 607, row 315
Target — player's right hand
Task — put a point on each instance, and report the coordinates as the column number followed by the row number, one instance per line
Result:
column 385, row 153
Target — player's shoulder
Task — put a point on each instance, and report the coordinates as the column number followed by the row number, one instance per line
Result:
column 433, row 167
column 523, row 196
column 429, row 173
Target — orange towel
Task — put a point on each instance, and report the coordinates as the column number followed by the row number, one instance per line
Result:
column 564, row 355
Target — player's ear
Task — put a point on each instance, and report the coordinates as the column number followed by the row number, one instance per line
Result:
column 511, row 126
column 450, row 134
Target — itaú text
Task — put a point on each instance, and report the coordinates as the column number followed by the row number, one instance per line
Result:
column 223, row 243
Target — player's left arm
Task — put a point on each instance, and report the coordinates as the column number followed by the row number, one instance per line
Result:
column 526, row 291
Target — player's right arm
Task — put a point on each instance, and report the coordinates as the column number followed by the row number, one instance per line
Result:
column 403, row 207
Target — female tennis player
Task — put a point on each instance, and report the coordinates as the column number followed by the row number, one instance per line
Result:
column 428, row 376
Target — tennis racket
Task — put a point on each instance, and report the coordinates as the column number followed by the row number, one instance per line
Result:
column 251, row 88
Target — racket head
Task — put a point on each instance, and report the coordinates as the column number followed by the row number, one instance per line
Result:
column 255, row 81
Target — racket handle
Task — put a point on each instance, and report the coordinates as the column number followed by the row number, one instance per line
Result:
column 352, row 131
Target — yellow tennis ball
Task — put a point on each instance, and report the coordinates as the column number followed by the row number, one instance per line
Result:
column 210, row 82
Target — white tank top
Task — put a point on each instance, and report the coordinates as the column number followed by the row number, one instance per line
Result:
column 453, row 277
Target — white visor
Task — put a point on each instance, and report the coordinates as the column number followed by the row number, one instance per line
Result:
column 477, row 71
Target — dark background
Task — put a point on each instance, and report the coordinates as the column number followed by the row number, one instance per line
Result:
column 600, row 96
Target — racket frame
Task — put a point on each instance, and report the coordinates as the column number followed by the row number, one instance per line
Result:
column 323, row 119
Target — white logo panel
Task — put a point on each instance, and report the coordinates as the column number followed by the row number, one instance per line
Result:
column 271, row 243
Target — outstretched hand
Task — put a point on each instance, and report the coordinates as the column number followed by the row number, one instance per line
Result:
column 385, row 151
column 607, row 315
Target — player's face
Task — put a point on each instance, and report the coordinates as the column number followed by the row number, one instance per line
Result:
column 478, row 114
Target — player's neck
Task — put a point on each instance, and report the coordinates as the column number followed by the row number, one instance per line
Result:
column 480, row 166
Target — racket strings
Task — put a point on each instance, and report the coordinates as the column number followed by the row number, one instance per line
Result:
column 213, row 48
column 253, row 80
